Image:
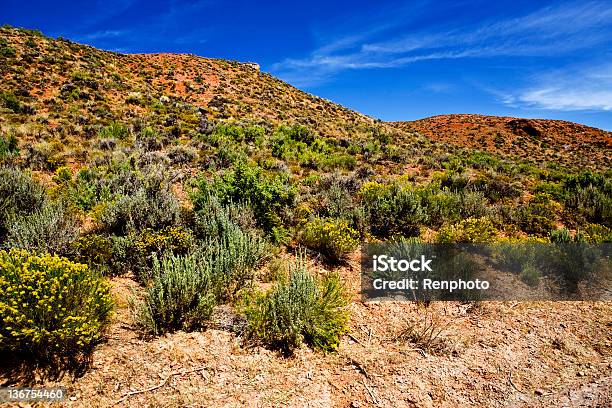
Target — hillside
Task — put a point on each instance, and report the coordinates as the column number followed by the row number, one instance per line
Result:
column 538, row 139
column 74, row 87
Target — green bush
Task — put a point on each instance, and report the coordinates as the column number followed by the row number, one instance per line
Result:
column 20, row 195
column 332, row 237
column 304, row 309
column 597, row 234
column 181, row 296
column 51, row 229
column 184, row 289
column 392, row 209
column 588, row 195
column 145, row 208
column 94, row 250
column 215, row 220
column 49, row 305
column 10, row 101
column 234, row 258
column 269, row 196
column 9, row 146
column 530, row 275
column 114, row 130
column 471, row 230
column 571, row 258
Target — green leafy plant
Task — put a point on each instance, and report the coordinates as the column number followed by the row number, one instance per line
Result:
column 392, row 209
column 20, row 195
column 269, row 196
column 145, row 208
column 181, row 296
column 304, row 309
column 52, row 229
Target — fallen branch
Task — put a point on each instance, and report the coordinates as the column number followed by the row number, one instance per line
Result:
column 161, row 384
column 374, row 399
column 355, row 339
column 512, row 383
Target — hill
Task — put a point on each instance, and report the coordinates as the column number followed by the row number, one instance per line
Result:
column 537, row 139
column 66, row 84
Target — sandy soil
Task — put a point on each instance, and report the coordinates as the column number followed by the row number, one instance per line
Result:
column 493, row 354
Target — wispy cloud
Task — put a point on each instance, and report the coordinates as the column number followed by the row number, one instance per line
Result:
column 548, row 31
column 99, row 35
column 567, row 90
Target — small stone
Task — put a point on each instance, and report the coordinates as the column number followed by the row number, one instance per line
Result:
column 539, row 392
column 581, row 374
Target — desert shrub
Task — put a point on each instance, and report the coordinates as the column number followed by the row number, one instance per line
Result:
column 181, row 295
column 538, row 216
column 153, row 208
column 471, row 230
column 453, row 181
column 496, row 187
column 52, row 229
column 9, row 146
column 426, row 334
column 114, row 130
column 304, row 309
column 236, row 133
column 182, row 154
column 571, row 258
column 392, row 209
column 512, row 254
column 269, row 196
column 10, row 101
column 338, row 161
column 334, row 199
column 231, row 241
column 63, row 175
column 94, row 250
column 334, row 238
column 49, row 305
column 597, row 234
column 150, row 244
column 530, row 275
column 214, row 220
column 44, row 155
column 20, row 195
column 5, row 50
column 185, row 288
column 444, row 206
column 588, row 196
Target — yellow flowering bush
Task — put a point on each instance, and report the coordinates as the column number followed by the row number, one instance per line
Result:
column 175, row 239
column 50, row 305
column 471, row 230
column 332, row 237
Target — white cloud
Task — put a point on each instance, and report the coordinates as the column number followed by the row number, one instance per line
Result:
column 571, row 90
column 548, row 31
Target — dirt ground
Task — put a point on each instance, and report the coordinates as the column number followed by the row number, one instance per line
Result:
column 489, row 354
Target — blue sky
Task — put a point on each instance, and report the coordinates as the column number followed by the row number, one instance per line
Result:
column 390, row 60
